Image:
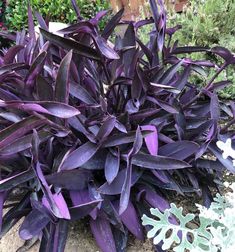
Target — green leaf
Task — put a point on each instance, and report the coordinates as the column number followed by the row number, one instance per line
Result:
column 167, row 232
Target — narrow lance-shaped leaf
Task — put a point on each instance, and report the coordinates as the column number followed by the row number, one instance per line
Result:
column 57, row 109
column 80, row 156
column 31, row 23
column 33, row 224
column 11, row 54
column 60, row 237
column 2, row 199
column 36, row 68
column 71, row 180
column 103, row 234
column 12, row 67
column 45, row 90
column 109, row 28
column 13, row 181
column 76, row 9
column 130, row 219
column 126, row 189
column 104, row 48
column 151, row 140
column 111, row 169
column 123, row 138
column 19, row 129
column 54, row 202
column 23, row 143
column 70, row 44
column 62, row 79
column 214, row 107
column 116, row 186
column 158, row 162
column 106, row 128
column 179, row 149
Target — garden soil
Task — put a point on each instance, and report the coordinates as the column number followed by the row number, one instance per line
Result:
column 80, row 240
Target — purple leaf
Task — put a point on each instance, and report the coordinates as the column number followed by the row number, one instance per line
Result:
column 62, row 79
column 70, row 44
column 57, row 109
column 2, row 199
column 31, row 23
column 224, row 53
column 36, row 68
column 12, row 67
column 158, row 162
column 119, row 139
column 111, row 169
column 81, row 93
column 33, row 224
column 105, row 49
column 126, row 188
column 102, row 232
column 15, row 180
column 11, row 54
column 106, row 128
column 116, row 186
column 80, row 156
column 131, row 220
column 154, row 199
column 137, row 143
column 23, row 143
column 227, row 163
column 41, row 21
column 109, row 28
column 151, row 140
column 179, row 150
column 76, row 9
column 214, row 107
column 71, row 180
column 19, row 129
column 45, row 91
column 190, row 49
column 60, row 237
column 80, row 211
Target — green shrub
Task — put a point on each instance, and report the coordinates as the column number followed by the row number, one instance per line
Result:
column 208, row 23
column 57, row 10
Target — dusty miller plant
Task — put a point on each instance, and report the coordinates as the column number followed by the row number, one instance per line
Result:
column 216, row 226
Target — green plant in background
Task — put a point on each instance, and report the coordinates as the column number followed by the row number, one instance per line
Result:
column 208, row 23
column 57, row 10
column 215, row 231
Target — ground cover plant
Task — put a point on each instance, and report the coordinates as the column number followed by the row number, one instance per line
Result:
column 105, row 131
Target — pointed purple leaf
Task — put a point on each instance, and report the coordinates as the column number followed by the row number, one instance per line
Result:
column 62, row 79
column 131, row 220
column 103, row 234
column 80, row 156
column 111, row 169
column 33, row 224
column 151, row 140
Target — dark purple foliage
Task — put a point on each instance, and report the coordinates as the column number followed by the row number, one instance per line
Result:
column 93, row 129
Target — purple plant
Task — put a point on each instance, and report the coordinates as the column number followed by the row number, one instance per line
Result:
column 91, row 129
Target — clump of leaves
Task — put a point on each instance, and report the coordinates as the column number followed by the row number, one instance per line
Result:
column 215, row 232
column 105, row 131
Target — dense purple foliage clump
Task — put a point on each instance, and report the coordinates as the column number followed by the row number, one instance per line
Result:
column 106, row 131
